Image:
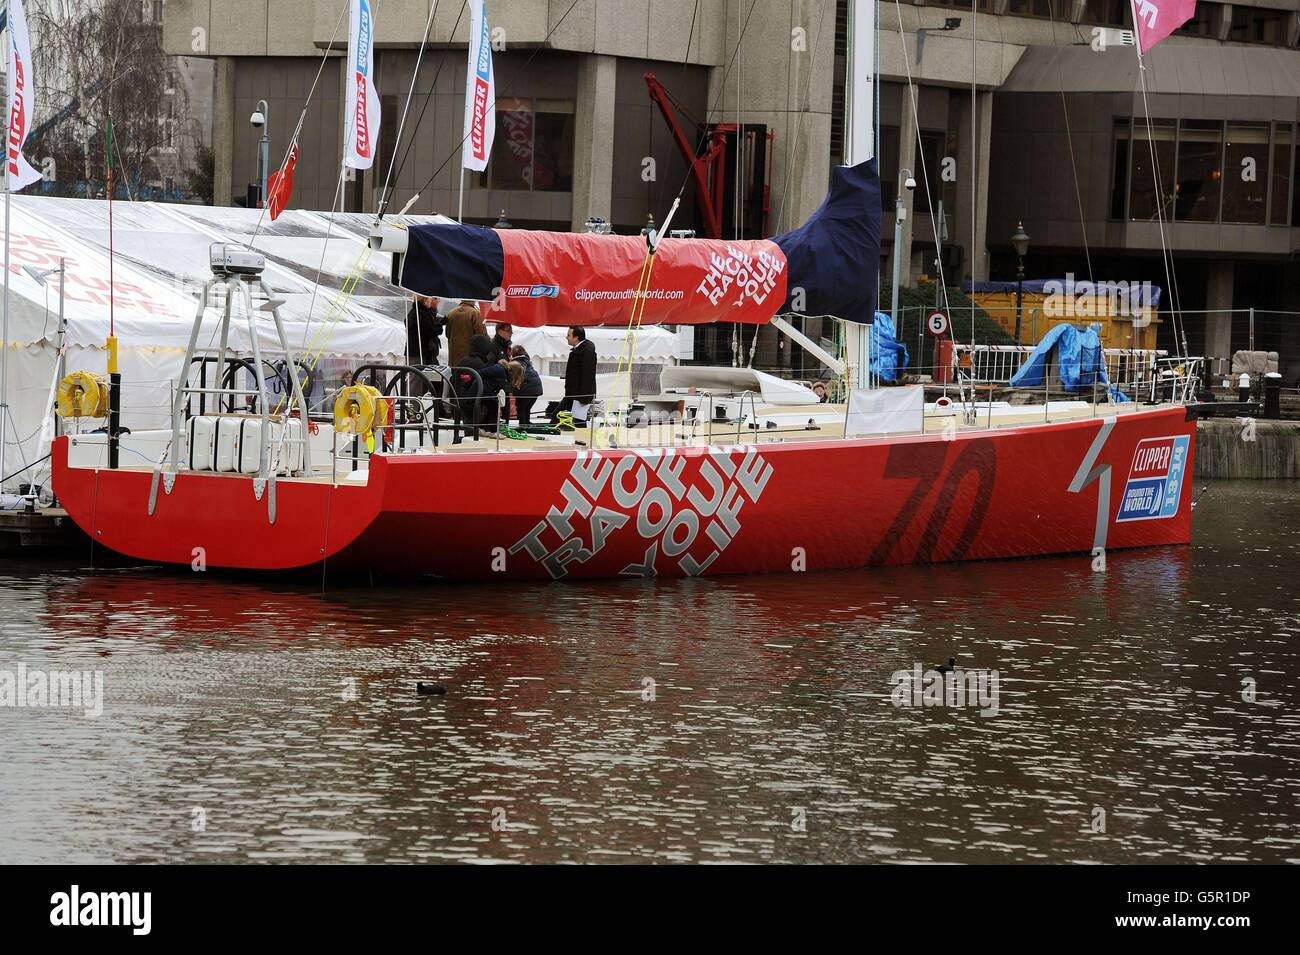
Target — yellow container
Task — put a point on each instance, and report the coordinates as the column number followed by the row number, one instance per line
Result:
column 1041, row 313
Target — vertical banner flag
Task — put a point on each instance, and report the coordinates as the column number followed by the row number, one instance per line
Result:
column 280, row 188
column 1156, row 19
column 362, row 100
column 480, row 93
column 20, row 174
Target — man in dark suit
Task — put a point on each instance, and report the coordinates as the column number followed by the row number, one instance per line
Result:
column 579, row 375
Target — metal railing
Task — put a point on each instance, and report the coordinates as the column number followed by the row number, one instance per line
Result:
column 1135, row 369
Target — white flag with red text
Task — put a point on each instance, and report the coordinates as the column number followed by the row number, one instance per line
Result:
column 362, row 116
column 480, row 92
column 1156, row 19
column 19, row 172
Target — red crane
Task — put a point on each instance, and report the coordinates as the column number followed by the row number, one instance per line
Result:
column 708, row 167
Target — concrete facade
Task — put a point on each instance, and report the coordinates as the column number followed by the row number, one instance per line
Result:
column 587, row 59
column 1011, row 117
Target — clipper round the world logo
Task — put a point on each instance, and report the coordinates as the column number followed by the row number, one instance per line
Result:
column 1155, row 480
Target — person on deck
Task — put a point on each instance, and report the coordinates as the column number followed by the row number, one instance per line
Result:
column 494, row 377
column 525, row 384
column 579, row 375
column 501, row 341
column 423, row 326
column 463, row 323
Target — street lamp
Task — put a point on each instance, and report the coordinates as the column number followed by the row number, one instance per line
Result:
column 261, row 119
column 905, row 181
column 1020, row 239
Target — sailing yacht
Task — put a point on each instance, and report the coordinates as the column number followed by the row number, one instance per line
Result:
column 400, row 483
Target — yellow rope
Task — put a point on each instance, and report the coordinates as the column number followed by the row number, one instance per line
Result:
column 623, row 371
column 336, row 308
column 314, row 349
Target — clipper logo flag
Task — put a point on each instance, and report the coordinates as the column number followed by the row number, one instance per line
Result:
column 1155, row 482
column 1156, row 19
column 480, row 92
column 362, row 99
column 20, row 173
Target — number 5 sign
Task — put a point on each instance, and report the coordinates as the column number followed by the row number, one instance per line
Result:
column 937, row 324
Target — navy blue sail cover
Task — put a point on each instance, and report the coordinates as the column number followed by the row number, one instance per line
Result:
column 452, row 261
column 834, row 257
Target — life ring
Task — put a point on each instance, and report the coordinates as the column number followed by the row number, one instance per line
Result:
column 83, row 395
column 357, row 410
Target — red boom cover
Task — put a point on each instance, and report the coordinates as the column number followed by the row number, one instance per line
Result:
column 565, row 279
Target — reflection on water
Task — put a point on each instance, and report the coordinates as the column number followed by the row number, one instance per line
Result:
column 245, row 722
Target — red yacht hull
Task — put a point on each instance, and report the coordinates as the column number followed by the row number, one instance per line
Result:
column 1113, row 482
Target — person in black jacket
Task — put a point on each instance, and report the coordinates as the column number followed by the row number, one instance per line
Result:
column 525, row 382
column 423, row 326
column 494, row 378
column 579, row 375
column 501, row 341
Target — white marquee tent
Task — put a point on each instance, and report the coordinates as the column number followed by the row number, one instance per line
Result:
column 160, row 263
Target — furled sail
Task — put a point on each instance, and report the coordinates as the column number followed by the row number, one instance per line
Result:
column 561, row 278
column 834, row 257
column 828, row 266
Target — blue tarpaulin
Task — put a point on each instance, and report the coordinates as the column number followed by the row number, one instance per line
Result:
column 888, row 354
column 834, row 257
column 1079, row 360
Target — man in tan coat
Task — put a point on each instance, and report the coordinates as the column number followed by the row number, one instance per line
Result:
column 463, row 323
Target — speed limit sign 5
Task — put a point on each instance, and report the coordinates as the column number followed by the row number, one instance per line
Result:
column 937, row 323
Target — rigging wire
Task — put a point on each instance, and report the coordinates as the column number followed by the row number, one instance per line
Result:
column 329, row 48
column 704, row 132
column 1180, row 341
column 1069, row 145
column 925, row 175
column 433, row 86
column 522, row 70
column 803, row 102
column 681, row 76
column 401, row 125
column 973, row 172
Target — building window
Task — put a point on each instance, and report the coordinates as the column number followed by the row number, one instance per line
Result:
column 1295, row 186
column 888, row 170
column 1226, row 172
column 388, row 122
column 1245, row 173
column 1281, row 174
column 533, row 146
column 1204, row 22
column 930, row 171
column 984, row 6
column 1051, row 9
column 1108, row 13
column 1119, row 169
column 1253, row 25
column 1200, row 170
column 1145, row 201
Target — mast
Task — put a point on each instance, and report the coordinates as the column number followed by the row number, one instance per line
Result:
column 859, row 146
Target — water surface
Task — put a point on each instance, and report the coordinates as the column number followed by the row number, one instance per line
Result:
column 271, row 722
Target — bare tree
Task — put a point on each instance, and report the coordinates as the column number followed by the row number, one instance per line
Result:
column 94, row 58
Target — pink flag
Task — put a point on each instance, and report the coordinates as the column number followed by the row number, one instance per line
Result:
column 1156, row 19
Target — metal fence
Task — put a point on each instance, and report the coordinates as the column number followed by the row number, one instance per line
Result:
column 1134, row 368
